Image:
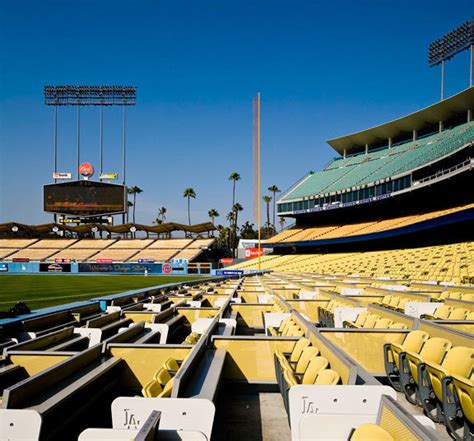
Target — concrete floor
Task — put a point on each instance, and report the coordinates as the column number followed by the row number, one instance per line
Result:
column 261, row 416
column 251, row 417
column 441, row 431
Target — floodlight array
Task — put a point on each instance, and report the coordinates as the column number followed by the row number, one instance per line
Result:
column 90, row 95
column 452, row 43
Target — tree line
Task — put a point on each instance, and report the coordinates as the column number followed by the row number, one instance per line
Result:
column 228, row 235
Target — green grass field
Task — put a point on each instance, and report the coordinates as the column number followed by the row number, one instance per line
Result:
column 41, row 291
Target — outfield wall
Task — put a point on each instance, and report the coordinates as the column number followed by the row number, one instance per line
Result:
column 173, row 269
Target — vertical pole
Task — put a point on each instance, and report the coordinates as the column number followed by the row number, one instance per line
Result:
column 55, row 140
column 471, row 67
column 55, row 149
column 78, row 139
column 124, row 158
column 101, row 152
column 258, row 179
column 442, row 80
column 123, row 145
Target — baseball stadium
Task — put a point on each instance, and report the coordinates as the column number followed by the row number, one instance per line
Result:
column 355, row 322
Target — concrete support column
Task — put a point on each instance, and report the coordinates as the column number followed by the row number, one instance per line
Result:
column 366, row 148
column 415, row 135
column 441, row 126
column 469, row 115
column 344, row 152
column 390, row 142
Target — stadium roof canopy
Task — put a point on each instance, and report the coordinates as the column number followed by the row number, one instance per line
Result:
column 441, row 111
column 168, row 227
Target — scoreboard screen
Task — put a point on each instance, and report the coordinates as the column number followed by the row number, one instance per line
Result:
column 85, row 198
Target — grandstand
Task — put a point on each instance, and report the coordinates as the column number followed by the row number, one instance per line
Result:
column 82, row 250
column 408, row 178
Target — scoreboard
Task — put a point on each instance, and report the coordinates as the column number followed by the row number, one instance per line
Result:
column 85, row 198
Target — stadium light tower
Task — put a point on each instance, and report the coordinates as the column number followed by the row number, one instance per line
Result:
column 90, row 96
column 451, row 44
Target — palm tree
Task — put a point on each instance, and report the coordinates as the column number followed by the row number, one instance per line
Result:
column 234, row 177
column 213, row 213
column 189, row 193
column 267, row 199
column 282, row 223
column 236, row 208
column 230, row 217
column 274, row 189
column 134, row 190
column 161, row 214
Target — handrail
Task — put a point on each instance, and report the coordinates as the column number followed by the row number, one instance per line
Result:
column 445, row 171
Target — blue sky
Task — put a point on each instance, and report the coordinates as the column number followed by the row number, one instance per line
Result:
column 323, row 68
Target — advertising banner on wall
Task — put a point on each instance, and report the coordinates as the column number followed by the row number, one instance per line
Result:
column 3, row 267
column 131, row 268
column 229, row 272
column 55, row 267
column 251, row 253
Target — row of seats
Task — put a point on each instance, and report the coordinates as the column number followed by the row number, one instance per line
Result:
column 434, row 374
column 287, row 328
column 191, row 339
column 395, row 302
column 303, row 365
column 162, row 383
column 326, row 313
column 446, row 312
column 367, row 320
column 466, row 297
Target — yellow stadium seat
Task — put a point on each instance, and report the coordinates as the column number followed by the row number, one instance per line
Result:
column 162, row 376
column 370, row 432
column 442, row 312
column 328, row 377
column 465, row 391
column 398, row 326
column 459, row 361
column 171, row 364
column 413, row 342
column 433, row 351
column 370, row 321
column 315, row 365
column 152, row 389
column 383, row 323
column 458, row 314
column 306, row 356
column 361, row 318
column 295, row 354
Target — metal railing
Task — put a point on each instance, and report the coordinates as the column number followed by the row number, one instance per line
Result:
column 445, row 171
